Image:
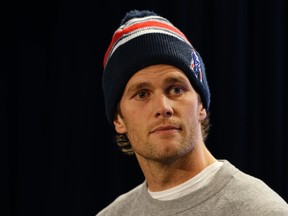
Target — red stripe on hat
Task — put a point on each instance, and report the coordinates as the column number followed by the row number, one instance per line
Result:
column 122, row 31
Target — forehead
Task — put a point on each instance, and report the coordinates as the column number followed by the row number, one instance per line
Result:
column 156, row 73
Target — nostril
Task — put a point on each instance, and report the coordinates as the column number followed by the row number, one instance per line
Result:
column 164, row 114
column 168, row 114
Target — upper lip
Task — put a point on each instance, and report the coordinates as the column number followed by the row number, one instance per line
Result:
column 164, row 127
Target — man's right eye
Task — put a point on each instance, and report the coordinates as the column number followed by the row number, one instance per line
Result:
column 142, row 94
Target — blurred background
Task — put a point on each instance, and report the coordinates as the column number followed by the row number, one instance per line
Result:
column 57, row 151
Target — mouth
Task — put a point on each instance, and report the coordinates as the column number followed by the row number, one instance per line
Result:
column 165, row 128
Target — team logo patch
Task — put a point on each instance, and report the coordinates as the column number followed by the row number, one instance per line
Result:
column 195, row 65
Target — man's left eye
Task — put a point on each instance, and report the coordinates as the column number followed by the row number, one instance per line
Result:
column 177, row 90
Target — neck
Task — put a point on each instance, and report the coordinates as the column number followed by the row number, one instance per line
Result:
column 164, row 175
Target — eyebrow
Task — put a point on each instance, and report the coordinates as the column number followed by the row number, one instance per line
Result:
column 140, row 85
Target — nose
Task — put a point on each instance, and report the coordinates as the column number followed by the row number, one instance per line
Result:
column 163, row 107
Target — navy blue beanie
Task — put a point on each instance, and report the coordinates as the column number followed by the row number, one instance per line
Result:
column 144, row 39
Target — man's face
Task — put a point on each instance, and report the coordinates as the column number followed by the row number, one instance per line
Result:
column 161, row 114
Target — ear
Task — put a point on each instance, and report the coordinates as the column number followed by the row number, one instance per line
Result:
column 202, row 113
column 119, row 124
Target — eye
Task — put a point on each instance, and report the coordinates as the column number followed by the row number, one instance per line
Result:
column 176, row 90
column 142, row 94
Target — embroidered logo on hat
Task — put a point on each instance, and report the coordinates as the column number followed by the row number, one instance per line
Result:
column 195, row 65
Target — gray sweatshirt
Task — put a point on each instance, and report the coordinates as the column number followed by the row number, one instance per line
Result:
column 230, row 193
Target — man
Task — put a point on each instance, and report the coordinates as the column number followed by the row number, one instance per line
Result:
column 157, row 98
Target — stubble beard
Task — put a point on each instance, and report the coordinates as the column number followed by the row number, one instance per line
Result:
column 183, row 148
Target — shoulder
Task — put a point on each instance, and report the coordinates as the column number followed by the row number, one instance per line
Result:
column 122, row 203
column 250, row 194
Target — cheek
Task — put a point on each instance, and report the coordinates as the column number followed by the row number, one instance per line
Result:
column 129, row 115
column 192, row 113
column 136, row 125
column 196, row 109
column 134, row 112
column 135, row 120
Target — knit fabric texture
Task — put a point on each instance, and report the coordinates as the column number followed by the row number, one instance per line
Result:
column 145, row 38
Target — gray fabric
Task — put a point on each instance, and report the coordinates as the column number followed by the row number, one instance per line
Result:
column 231, row 193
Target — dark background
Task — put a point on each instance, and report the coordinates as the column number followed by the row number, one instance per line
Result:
column 57, row 151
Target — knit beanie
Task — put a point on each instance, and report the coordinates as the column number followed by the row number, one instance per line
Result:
column 144, row 39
